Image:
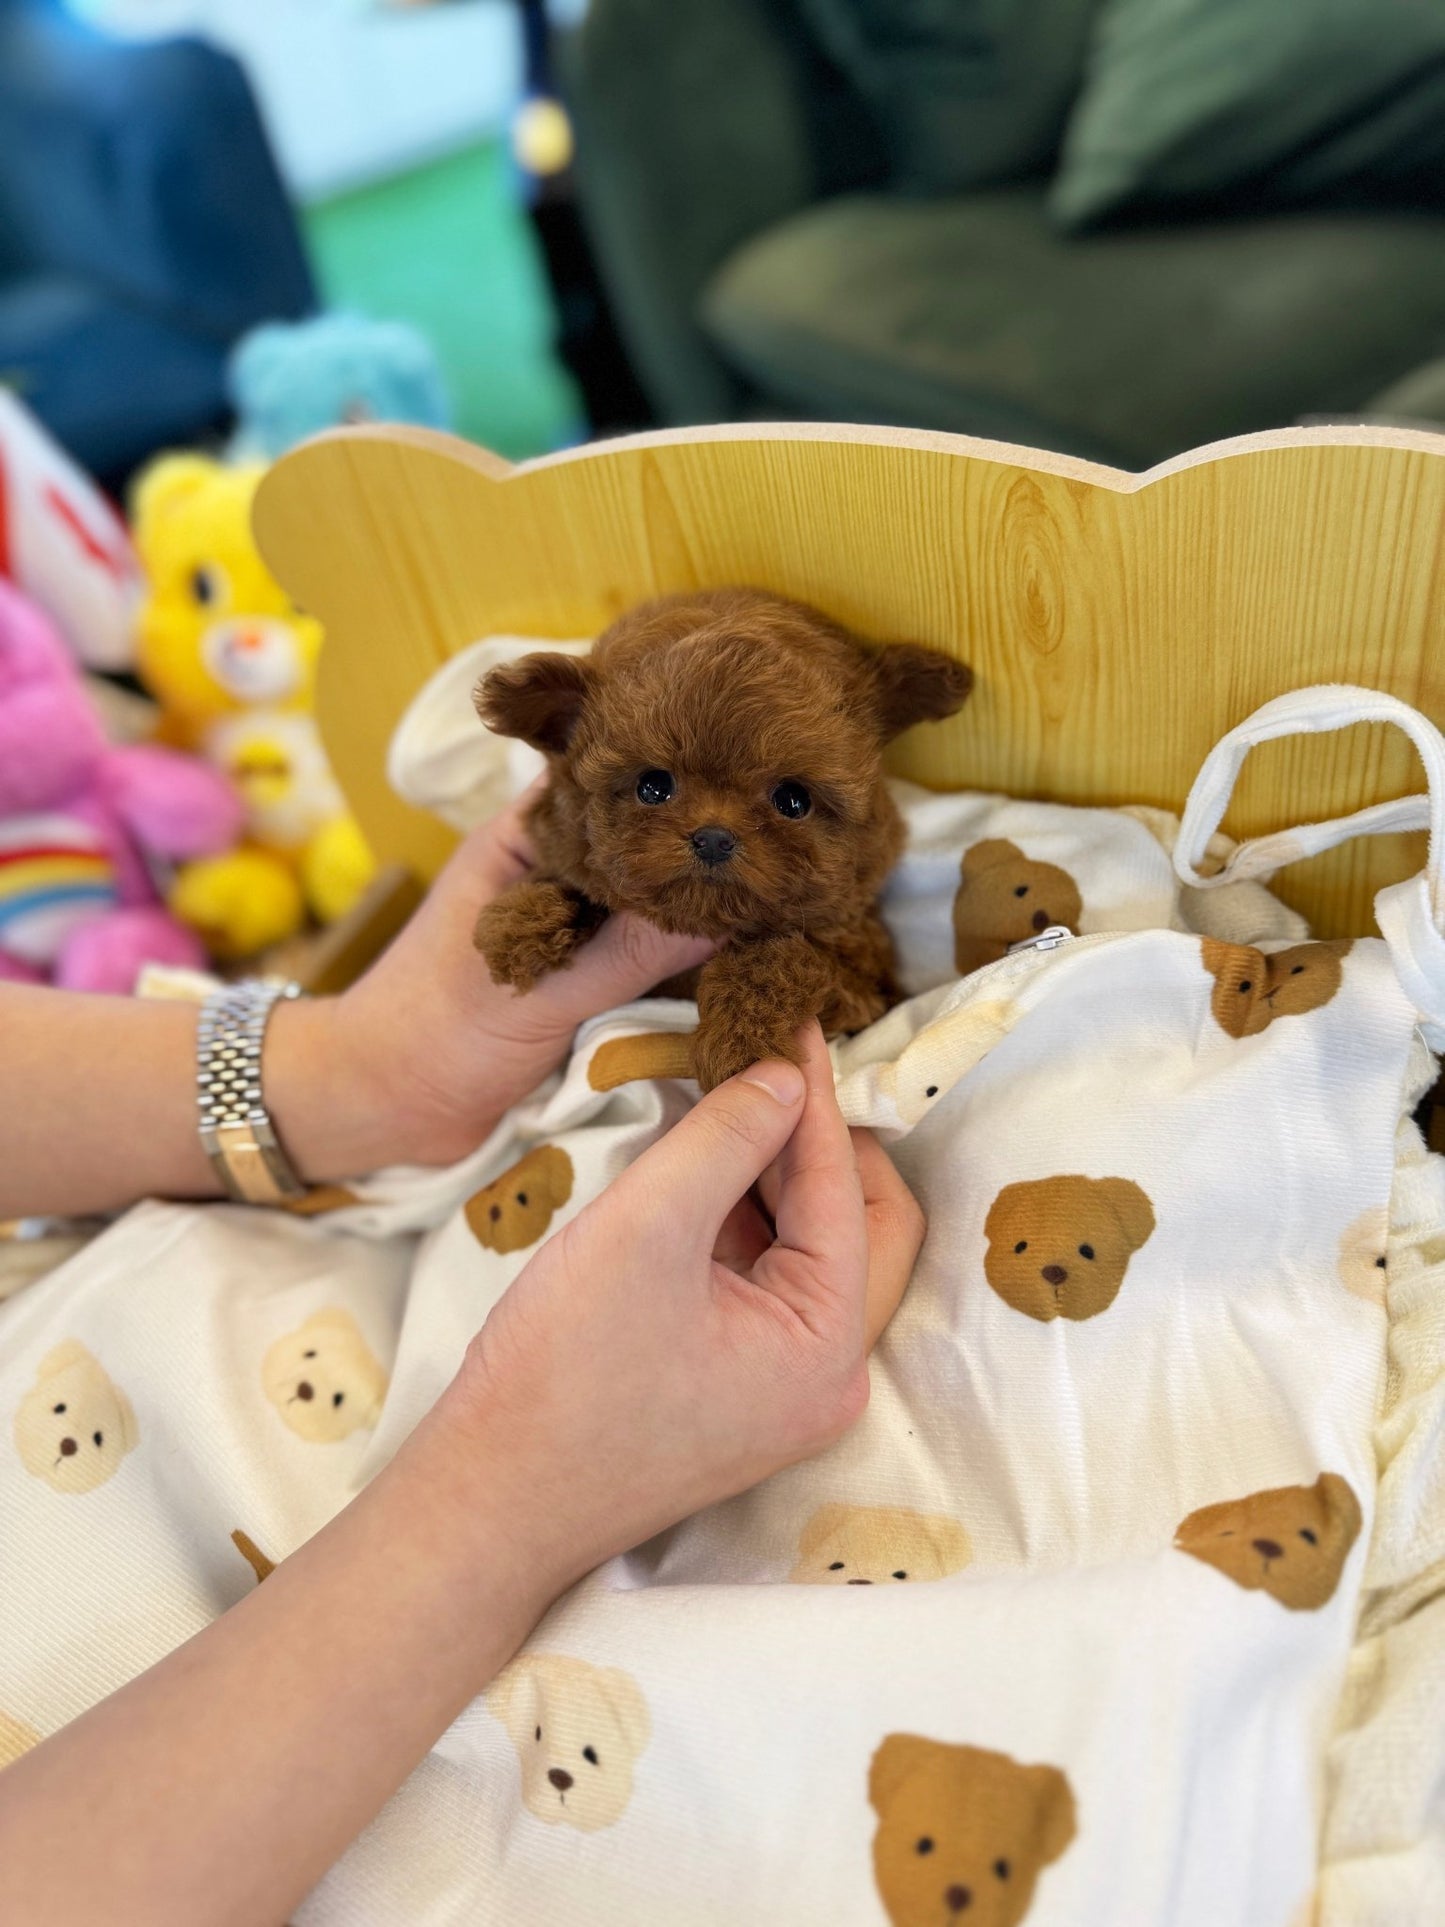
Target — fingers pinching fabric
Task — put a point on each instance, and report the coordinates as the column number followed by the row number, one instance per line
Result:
column 1059, row 1631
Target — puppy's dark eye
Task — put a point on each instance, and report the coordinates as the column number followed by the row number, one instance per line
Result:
column 837, row 1566
column 925, row 1845
column 790, row 799
column 1305, row 1533
column 1022, row 1245
column 207, row 586
column 1086, row 1251
column 590, row 1753
column 655, row 786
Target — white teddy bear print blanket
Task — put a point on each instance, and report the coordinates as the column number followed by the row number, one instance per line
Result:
column 1058, row 1633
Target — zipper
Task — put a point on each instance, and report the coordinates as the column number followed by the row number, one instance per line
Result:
column 1049, row 939
column 1016, row 961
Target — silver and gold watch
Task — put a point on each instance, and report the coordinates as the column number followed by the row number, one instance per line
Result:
column 236, row 1128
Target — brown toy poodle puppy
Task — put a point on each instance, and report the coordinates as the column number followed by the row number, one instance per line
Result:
column 716, row 767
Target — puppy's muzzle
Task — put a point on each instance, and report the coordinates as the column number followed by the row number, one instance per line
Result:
column 712, row 844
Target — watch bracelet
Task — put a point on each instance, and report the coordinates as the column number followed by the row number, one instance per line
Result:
column 235, row 1127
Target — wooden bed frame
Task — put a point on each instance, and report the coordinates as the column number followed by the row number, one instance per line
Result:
column 1118, row 624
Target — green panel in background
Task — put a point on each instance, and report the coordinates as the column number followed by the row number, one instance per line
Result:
column 447, row 247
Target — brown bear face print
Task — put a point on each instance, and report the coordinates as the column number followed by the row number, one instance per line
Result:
column 963, row 1833
column 1291, row 1541
column 878, row 1545
column 515, row 1210
column 1252, row 989
column 1059, row 1247
column 1004, row 898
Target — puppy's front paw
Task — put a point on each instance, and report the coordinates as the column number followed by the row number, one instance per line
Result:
column 530, row 930
column 853, row 1006
column 724, row 1044
column 752, row 1001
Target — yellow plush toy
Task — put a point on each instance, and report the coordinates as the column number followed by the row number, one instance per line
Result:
column 232, row 662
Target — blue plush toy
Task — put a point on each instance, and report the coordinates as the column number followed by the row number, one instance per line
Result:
column 290, row 379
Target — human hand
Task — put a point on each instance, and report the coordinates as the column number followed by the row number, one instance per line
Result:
column 425, row 1050
column 666, row 1349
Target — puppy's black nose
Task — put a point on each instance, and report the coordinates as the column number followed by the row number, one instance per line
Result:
column 713, row 844
column 1055, row 1274
column 1268, row 1548
column 560, row 1779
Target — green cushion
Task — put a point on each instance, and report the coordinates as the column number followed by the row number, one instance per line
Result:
column 965, row 92
column 974, row 315
column 1282, row 101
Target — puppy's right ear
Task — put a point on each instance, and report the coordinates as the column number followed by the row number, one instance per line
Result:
column 539, row 698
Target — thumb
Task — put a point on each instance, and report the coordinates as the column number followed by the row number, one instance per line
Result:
column 694, row 1176
column 626, row 959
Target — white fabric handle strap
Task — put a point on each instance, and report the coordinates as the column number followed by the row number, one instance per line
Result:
column 1410, row 914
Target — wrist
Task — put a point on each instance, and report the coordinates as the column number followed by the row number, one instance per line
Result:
column 469, row 1495
column 328, row 1107
column 530, row 1486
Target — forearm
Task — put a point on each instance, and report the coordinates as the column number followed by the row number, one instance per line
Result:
column 222, row 1784
column 98, row 1101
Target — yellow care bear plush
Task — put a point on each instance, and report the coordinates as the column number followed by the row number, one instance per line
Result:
column 232, row 662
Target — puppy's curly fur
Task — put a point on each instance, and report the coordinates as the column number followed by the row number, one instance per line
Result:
column 716, row 767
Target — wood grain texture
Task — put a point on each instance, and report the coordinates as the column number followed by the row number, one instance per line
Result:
column 1118, row 624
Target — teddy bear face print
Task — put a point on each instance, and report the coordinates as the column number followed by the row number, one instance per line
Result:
column 578, row 1730
column 1059, row 1247
column 516, row 1209
column 1291, row 1541
column 1252, row 989
column 1005, row 898
column 75, row 1425
column 861, row 1545
column 1364, row 1253
column 963, row 1833
column 324, row 1379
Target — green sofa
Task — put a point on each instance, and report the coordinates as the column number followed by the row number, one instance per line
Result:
column 774, row 247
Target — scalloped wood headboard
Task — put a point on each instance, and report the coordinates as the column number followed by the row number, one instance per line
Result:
column 1118, row 623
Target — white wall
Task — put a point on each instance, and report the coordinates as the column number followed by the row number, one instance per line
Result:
column 352, row 89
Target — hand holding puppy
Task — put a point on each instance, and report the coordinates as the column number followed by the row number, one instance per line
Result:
column 716, row 766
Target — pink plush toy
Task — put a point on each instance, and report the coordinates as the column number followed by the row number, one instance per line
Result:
column 81, row 822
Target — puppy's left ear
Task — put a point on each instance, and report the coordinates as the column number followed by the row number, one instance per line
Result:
column 908, row 683
column 538, row 698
